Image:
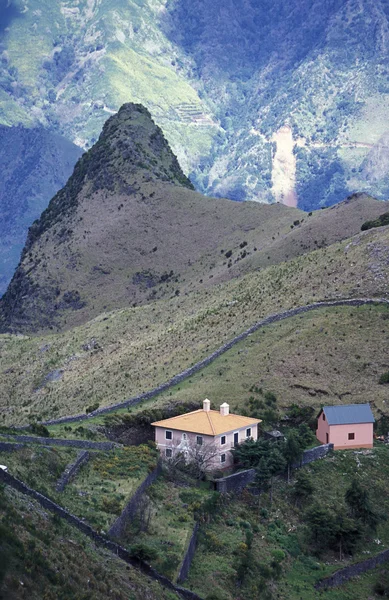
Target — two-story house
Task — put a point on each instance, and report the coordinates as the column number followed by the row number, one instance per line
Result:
column 211, row 432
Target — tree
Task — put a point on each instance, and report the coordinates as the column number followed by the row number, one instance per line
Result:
column 276, row 466
column 358, row 500
column 332, row 530
column 303, row 488
column 199, row 458
column 321, row 526
column 346, row 534
column 292, row 450
column 249, row 453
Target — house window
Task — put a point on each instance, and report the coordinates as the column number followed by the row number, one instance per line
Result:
column 222, row 458
column 199, row 440
column 351, row 436
column 168, row 435
column 222, row 440
column 248, row 432
column 168, row 452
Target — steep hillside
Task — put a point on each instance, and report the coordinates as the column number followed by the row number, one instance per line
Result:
column 284, row 100
column 43, row 555
column 122, row 353
column 35, row 164
column 128, row 228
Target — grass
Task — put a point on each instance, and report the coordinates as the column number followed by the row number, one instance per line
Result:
column 100, row 490
column 280, row 527
column 138, row 348
column 40, row 554
column 171, row 524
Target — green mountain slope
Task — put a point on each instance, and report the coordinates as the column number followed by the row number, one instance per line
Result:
column 273, row 100
column 35, row 165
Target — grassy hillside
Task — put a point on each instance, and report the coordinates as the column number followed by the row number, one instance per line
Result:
column 41, row 554
column 121, row 353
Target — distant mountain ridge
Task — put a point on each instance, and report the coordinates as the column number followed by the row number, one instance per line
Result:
column 221, row 79
column 129, row 229
column 34, row 165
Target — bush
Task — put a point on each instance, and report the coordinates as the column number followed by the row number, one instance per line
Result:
column 39, row 429
column 92, row 408
column 144, row 552
column 384, row 378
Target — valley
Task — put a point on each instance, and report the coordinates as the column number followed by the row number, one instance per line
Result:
column 147, row 284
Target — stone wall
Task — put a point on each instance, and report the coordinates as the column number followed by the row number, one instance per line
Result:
column 130, row 510
column 238, row 481
column 10, row 447
column 189, row 555
column 99, row 539
column 209, row 359
column 43, row 441
column 314, row 454
column 347, row 573
column 71, row 470
column 234, row 483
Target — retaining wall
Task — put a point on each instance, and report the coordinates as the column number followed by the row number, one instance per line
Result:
column 238, row 481
column 71, row 470
column 189, row 555
column 313, row 454
column 96, row 537
column 10, row 447
column 43, row 441
column 129, row 512
column 209, row 359
column 347, row 573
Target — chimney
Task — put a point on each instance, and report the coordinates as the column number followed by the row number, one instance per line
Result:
column 224, row 409
column 206, row 405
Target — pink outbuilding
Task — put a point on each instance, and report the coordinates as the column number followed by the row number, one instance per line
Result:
column 346, row 426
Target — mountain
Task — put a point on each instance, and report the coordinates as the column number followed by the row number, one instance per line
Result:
column 128, row 228
column 284, row 100
column 35, row 165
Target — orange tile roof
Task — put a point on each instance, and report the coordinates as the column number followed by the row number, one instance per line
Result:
column 207, row 422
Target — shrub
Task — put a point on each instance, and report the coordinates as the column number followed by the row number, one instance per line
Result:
column 142, row 551
column 39, row 429
column 384, row 378
column 92, row 408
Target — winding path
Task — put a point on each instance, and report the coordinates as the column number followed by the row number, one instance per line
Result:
column 209, row 359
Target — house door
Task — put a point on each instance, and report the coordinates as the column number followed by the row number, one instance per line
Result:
column 327, row 438
column 236, row 439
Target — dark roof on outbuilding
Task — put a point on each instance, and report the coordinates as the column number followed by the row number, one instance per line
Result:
column 348, row 414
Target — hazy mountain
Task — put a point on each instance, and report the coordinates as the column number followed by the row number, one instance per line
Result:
column 128, row 228
column 283, row 100
column 34, row 165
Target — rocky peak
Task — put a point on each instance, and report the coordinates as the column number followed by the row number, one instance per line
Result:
column 130, row 143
